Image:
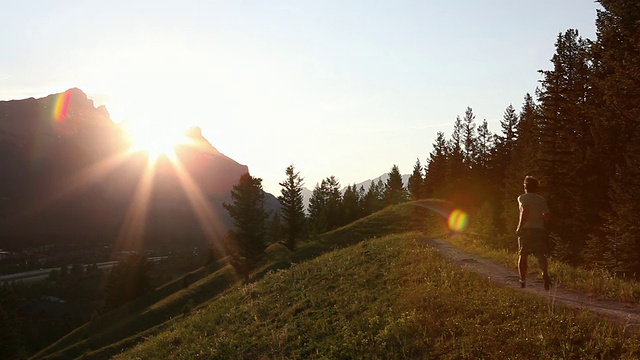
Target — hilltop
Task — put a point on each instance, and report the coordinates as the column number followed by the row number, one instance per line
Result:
column 374, row 288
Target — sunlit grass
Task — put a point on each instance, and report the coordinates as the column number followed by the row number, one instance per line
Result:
column 596, row 283
column 387, row 298
column 371, row 289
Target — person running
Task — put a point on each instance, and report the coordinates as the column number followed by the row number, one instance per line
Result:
column 532, row 232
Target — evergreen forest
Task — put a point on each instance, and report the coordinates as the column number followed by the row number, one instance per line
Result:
column 577, row 133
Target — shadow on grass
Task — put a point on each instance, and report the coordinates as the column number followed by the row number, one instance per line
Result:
column 131, row 323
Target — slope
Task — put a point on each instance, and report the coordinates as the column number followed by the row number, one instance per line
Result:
column 626, row 313
column 391, row 297
column 113, row 331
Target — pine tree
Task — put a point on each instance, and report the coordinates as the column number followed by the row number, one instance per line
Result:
column 373, row 200
column 275, row 228
column 485, row 190
column 325, row 205
column 416, row 182
column 484, row 148
column 616, row 79
column 622, row 253
column 502, row 158
column 334, row 203
column 522, row 162
column 436, row 169
column 351, row 209
column 468, row 133
column 361, row 204
column 457, row 171
column 245, row 243
column 317, row 205
column 395, row 193
column 505, row 142
column 292, row 206
column 565, row 142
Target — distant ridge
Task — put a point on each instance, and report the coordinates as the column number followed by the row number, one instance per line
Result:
column 384, row 177
column 63, row 180
column 307, row 193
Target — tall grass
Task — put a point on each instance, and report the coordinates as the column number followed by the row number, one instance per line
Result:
column 599, row 284
column 384, row 298
column 366, row 290
column 143, row 317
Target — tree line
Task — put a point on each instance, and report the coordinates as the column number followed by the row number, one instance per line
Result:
column 578, row 134
column 329, row 208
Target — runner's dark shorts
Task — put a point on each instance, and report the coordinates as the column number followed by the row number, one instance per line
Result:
column 533, row 241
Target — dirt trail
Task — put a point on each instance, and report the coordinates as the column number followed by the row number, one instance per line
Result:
column 627, row 314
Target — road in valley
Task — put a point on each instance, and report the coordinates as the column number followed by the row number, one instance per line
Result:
column 42, row 274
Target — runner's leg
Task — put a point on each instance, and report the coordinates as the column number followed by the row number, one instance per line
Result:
column 544, row 266
column 522, row 267
column 523, row 253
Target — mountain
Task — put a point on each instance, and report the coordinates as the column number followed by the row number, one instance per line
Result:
column 68, row 176
column 384, row 177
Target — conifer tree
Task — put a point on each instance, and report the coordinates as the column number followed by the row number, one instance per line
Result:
column 522, row 162
column 565, row 142
column 351, row 209
column 317, row 205
column 395, row 193
column 373, row 200
column 485, row 192
column 616, row 75
column 505, row 142
column 416, row 182
column 334, row 203
column 468, row 138
column 292, row 206
column 436, row 169
column 246, row 241
column 622, row 250
column 325, row 205
column 361, row 194
column 275, row 228
column 484, row 148
column 494, row 164
column 456, row 169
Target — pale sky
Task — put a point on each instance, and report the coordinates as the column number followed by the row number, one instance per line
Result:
column 335, row 87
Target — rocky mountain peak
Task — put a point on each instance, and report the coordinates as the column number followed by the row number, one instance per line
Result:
column 61, row 114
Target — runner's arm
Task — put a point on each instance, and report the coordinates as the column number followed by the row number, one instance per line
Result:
column 524, row 215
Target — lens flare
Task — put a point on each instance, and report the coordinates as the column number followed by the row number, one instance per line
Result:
column 62, row 106
column 458, row 220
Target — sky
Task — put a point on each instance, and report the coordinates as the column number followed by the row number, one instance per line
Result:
column 334, row 87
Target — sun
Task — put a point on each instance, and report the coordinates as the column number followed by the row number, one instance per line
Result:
column 155, row 140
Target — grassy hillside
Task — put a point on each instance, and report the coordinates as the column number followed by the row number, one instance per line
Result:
column 119, row 329
column 597, row 283
column 133, row 319
column 338, row 296
column 389, row 297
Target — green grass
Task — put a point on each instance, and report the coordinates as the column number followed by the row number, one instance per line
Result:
column 144, row 317
column 595, row 283
column 369, row 289
column 387, row 298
